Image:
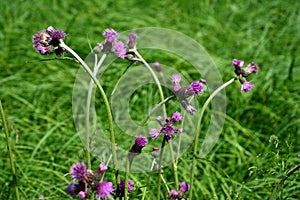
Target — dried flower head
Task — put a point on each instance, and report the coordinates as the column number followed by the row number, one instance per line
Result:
column 182, row 93
column 48, row 41
column 243, row 72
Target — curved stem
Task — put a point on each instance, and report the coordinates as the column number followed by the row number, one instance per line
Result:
column 283, row 179
column 88, row 105
column 165, row 115
column 107, row 106
column 196, row 138
column 11, row 156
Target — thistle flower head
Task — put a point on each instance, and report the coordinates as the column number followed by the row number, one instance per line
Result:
column 110, row 35
column 168, row 129
column 141, row 141
column 48, row 41
column 246, row 86
column 104, row 189
column 79, row 171
column 184, row 187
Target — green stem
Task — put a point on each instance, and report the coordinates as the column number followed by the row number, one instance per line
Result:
column 106, row 102
column 165, row 115
column 126, row 180
column 11, row 156
column 196, row 138
column 88, row 104
column 283, row 179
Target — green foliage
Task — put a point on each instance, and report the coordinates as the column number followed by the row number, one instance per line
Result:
column 260, row 139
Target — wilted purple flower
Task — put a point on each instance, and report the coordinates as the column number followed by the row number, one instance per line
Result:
column 110, row 35
column 243, row 72
column 104, row 189
column 182, row 93
column 251, row 68
column 246, row 86
column 79, row 171
column 48, row 41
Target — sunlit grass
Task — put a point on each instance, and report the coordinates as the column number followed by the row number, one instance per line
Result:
column 245, row 163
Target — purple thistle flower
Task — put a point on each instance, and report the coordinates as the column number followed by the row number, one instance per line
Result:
column 104, row 189
column 168, row 129
column 154, row 133
column 110, row 35
column 246, row 86
column 48, row 41
column 184, row 187
column 59, row 34
column 197, row 87
column 176, row 116
column 141, row 141
column 79, row 171
column 119, row 49
column 122, row 187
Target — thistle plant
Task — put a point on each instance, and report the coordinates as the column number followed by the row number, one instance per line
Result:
column 88, row 184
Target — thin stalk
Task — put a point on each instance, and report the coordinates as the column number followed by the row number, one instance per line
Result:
column 106, row 102
column 284, row 179
column 148, row 178
column 88, row 104
column 126, row 180
column 165, row 115
column 196, row 138
column 10, row 154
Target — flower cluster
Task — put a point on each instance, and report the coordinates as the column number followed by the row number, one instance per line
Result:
column 85, row 182
column 168, row 129
column 178, row 195
column 48, row 41
column 182, row 93
column 112, row 44
column 243, row 72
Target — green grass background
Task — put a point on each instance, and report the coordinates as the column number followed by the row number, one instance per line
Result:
column 245, row 163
